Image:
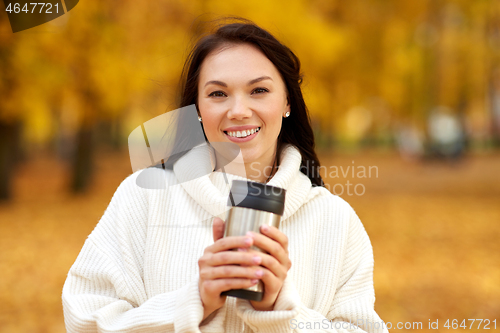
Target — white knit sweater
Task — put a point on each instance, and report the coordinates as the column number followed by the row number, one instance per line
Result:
column 138, row 270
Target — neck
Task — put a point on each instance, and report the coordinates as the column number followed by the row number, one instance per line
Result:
column 259, row 171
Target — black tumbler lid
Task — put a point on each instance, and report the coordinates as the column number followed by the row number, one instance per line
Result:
column 257, row 196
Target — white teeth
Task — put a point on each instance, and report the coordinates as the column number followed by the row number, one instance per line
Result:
column 243, row 134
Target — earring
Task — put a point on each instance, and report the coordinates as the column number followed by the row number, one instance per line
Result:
column 287, row 114
column 199, row 118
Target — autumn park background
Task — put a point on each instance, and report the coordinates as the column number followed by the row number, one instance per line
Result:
column 409, row 87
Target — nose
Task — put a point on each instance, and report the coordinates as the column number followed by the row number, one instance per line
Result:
column 239, row 109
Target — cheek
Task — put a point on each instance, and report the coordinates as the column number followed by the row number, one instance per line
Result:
column 277, row 129
column 209, row 126
column 275, row 117
column 210, row 121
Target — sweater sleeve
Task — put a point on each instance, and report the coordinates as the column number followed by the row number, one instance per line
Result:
column 104, row 290
column 351, row 310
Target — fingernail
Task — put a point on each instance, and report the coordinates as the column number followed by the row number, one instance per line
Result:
column 248, row 241
column 265, row 228
column 242, row 249
column 257, row 259
column 254, row 281
column 259, row 273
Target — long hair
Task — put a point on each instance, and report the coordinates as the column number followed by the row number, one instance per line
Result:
column 296, row 129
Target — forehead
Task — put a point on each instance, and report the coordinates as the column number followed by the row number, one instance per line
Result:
column 237, row 62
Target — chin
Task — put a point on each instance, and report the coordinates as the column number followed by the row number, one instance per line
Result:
column 250, row 157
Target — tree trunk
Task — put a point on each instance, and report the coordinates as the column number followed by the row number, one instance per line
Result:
column 9, row 153
column 82, row 160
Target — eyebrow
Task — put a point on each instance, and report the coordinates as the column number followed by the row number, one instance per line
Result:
column 223, row 84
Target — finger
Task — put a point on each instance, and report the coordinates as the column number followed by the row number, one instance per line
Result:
column 272, row 264
column 229, row 243
column 215, row 287
column 231, row 271
column 270, row 246
column 275, row 234
column 266, row 261
column 218, row 228
column 272, row 284
column 234, row 258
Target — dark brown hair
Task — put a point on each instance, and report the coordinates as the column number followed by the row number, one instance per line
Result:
column 296, row 129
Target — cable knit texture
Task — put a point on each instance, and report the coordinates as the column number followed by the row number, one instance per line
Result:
column 138, row 269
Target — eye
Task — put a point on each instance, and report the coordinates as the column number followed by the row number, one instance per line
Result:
column 217, row 93
column 260, row 90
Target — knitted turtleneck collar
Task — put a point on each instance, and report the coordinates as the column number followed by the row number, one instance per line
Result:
column 211, row 189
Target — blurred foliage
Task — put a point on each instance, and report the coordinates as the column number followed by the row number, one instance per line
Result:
column 368, row 64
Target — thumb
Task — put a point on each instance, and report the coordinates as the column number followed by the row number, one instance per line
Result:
column 218, row 228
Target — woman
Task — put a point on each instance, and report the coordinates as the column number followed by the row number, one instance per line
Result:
column 157, row 260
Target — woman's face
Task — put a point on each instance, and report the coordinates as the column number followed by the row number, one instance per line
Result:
column 242, row 99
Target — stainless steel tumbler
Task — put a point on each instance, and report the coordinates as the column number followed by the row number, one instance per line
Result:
column 252, row 205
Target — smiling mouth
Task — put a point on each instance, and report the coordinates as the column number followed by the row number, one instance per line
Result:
column 242, row 134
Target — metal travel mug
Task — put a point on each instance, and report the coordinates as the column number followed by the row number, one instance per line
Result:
column 252, row 205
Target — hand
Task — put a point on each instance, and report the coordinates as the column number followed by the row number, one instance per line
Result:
column 276, row 262
column 222, row 269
